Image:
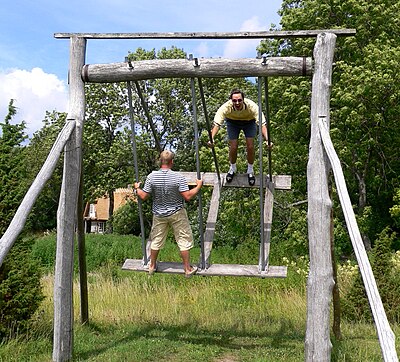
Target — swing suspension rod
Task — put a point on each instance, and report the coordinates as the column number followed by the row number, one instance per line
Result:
column 260, row 150
column 146, row 111
column 267, row 125
column 196, row 138
column 135, row 160
column 203, row 101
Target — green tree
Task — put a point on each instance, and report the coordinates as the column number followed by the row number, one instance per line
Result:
column 12, row 167
column 364, row 100
column 44, row 212
column 20, row 290
column 106, row 152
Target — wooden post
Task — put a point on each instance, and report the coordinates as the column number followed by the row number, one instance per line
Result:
column 320, row 279
column 66, row 214
column 80, row 233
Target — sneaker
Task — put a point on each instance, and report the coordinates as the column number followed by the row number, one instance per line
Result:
column 229, row 176
column 251, row 178
column 192, row 272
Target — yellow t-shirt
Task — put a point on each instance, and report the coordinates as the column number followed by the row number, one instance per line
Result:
column 248, row 112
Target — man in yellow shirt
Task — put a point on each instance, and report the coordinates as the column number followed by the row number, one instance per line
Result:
column 240, row 114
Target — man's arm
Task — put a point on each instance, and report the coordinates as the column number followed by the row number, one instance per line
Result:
column 139, row 192
column 214, row 131
column 219, row 118
column 189, row 194
column 265, row 134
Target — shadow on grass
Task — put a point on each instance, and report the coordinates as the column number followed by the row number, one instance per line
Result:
column 115, row 337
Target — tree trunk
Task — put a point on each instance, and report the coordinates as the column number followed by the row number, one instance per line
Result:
column 109, row 226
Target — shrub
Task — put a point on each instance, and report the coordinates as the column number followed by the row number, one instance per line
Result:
column 126, row 220
column 20, row 288
column 386, row 272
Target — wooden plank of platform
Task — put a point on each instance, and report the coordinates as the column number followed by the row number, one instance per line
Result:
column 281, row 182
column 267, row 224
column 210, row 225
column 234, row 270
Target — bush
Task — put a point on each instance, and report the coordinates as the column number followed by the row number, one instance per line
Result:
column 20, row 288
column 386, row 271
column 126, row 220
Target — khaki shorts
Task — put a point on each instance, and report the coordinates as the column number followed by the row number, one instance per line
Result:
column 180, row 226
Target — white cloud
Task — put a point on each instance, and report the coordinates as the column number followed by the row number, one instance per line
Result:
column 239, row 48
column 35, row 92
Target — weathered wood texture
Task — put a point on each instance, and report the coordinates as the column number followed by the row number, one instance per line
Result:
column 45, row 173
column 210, row 35
column 200, row 68
column 385, row 333
column 267, row 224
column 320, row 279
column 210, row 224
column 234, row 270
column 66, row 214
column 281, row 182
column 80, row 236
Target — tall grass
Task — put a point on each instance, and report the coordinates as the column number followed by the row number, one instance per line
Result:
column 134, row 317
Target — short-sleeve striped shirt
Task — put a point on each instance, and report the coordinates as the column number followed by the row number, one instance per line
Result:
column 166, row 186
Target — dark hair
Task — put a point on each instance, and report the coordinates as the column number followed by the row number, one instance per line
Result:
column 236, row 91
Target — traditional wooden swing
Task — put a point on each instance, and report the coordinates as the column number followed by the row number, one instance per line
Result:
column 322, row 158
column 206, row 268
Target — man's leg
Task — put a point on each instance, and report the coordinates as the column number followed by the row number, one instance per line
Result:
column 153, row 258
column 158, row 234
column 250, row 150
column 233, row 147
column 185, row 255
column 250, row 160
column 184, row 238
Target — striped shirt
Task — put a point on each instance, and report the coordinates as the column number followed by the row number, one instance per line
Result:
column 166, row 186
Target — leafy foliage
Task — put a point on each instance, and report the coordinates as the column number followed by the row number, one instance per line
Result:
column 20, row 289
column 126, row 220
column 356, row 305
column 13, row 171
column 364, row 102
column 44, row 213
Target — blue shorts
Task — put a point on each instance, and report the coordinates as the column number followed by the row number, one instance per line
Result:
column 234, row 127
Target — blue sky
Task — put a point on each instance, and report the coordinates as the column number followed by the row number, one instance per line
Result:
column 34, row 65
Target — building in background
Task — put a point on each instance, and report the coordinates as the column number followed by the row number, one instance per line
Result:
column 96, row 214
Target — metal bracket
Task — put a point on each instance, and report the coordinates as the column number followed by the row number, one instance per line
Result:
column 129, row 63
column 195, row 60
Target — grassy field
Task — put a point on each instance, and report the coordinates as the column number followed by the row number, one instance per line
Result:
column 134, row 317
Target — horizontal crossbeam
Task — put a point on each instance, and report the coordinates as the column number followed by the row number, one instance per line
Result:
column 197, row 68
column 233, row 270
column 210, row 35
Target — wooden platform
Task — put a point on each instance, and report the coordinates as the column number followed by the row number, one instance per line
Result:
column 281, row 182
column 234, row 270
